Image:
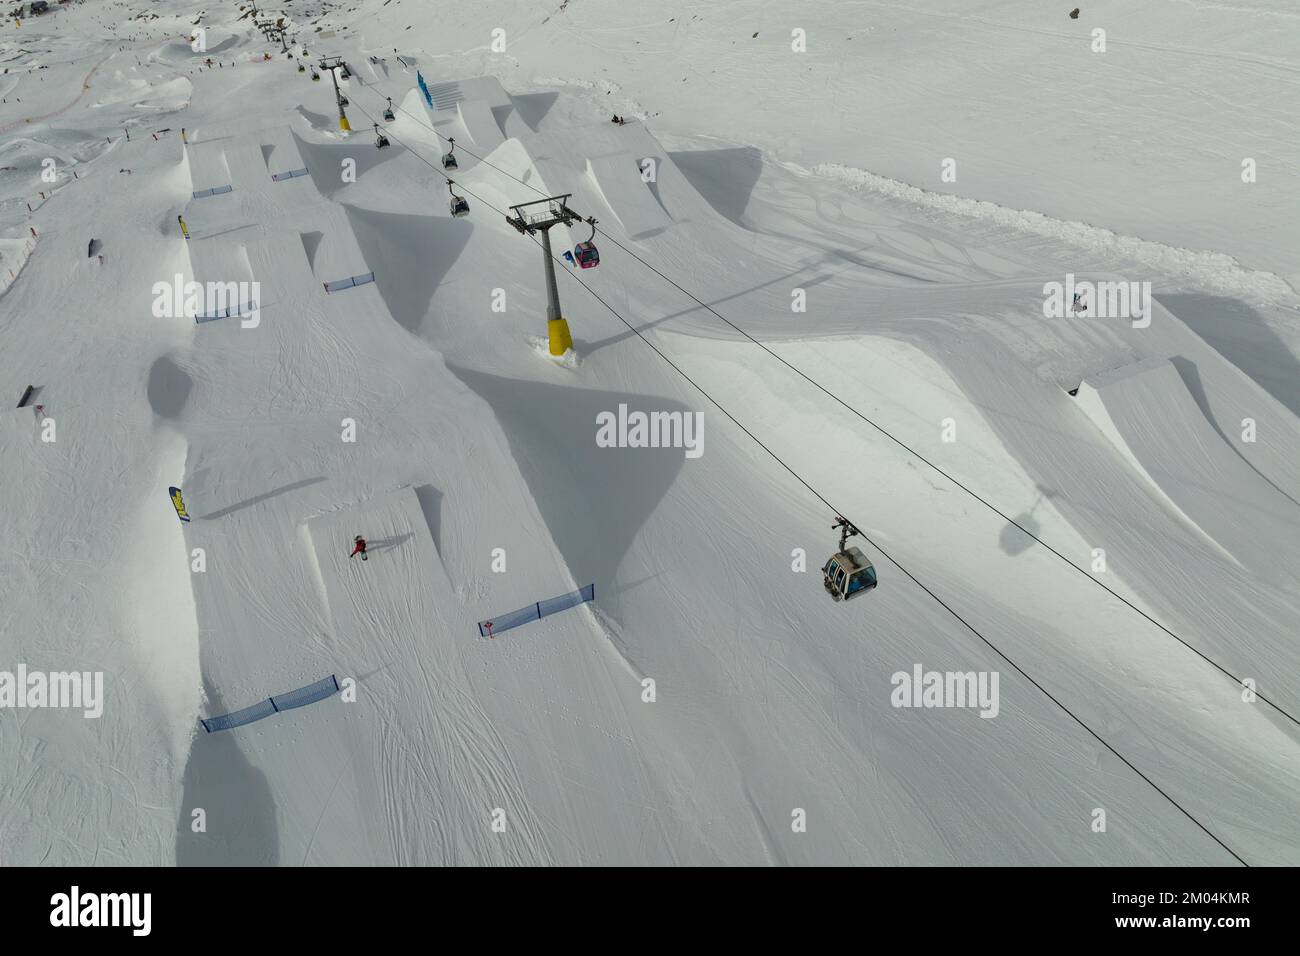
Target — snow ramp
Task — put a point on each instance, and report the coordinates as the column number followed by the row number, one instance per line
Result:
column 246, row 164
column 280, row 152
column 332, row 247
column 280, row 263
column 619, row 180
column 437, row 762
column 221, row 262
column 616, row 171
column 476, row 116
column 1146, row 412
column 477, row 108
column 208, row 169
column 507, row 177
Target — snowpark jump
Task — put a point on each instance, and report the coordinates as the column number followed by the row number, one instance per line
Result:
column 384, row 468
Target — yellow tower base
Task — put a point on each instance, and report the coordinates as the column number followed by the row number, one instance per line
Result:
column 557, row 332
column 343, row 124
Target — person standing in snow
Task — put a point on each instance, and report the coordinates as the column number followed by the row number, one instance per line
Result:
column 358, row 547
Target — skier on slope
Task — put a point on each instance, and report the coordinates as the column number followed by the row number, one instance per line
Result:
column 359, row 547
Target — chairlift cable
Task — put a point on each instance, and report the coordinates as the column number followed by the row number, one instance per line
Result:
column 979, row 498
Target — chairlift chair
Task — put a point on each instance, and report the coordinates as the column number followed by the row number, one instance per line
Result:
column 586, row 253
column 315, row 77
column 848, row 573
column 459, row 207
column 301, row 68
column 449, row 157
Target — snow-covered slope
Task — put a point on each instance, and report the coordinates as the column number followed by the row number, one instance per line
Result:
column 778, row 257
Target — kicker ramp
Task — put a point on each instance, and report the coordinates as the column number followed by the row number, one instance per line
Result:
column 247, row 167
column 406, row 638
column 337, row 254
column 281, row 153
column 219, row 261
column 476, row 116
column 477, row 111
column 618, row 179
column 1146, row 412
column 601, row 164
column 508, row 177
column 280, row 262
column 209, row 173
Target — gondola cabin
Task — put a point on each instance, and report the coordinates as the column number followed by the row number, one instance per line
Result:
column 587, row 255
column 449, row 161
column 388, row 116
column 459, row 207
column 848, row 574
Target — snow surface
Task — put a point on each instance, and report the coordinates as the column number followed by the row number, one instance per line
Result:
column 775, row 171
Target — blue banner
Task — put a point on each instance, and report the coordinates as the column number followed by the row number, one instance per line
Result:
column 424, row 87
column 214, row 191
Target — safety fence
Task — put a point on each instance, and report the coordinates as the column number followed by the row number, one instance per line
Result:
column 11, row 273
column 338, row 285
column 424, row 87
column 291, row 174
column 537, row 611
column 301, row 697
column 244, row 308
column 214, row 191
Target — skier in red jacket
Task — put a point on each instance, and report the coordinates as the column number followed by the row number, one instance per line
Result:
column 359, row 547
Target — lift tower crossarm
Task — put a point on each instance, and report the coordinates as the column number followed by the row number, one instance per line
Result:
column 557, row 213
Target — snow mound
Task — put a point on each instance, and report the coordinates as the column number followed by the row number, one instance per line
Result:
column 1146, row 412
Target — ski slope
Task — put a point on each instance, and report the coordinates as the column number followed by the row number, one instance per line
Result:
column 848, row 347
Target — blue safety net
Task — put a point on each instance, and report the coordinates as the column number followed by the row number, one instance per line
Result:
column 310, row 694
column 537, row 611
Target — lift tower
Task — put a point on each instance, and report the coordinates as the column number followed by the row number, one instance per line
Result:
column 530, row 221
column 333, row 63
column 273, row 33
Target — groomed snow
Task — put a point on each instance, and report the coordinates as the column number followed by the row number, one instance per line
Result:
column 712, row 693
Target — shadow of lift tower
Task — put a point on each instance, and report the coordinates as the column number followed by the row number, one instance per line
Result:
column 530, row 222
